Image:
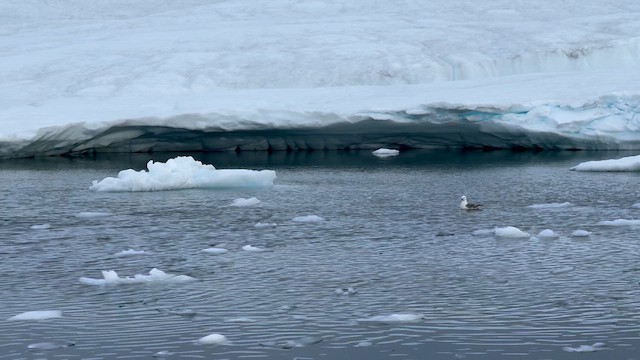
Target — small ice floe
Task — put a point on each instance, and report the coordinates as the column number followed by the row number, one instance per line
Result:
column 241, row 319
column 242, row 202
column 49, row 345
column 585, row 348
column 548, row 234
column 155, row 275
column 163, row 353
column 620, row 222
column 37, row 315
column 308, row 218
column 629, row 163
column 364, row 343
column 383, row 152
column 253, row 248
column 550, row 205
column 213, row 339
column 183, row 172
column 131, row 252
column 562, row 270
column 40, row 227
column 394, row 318
column 511, row 232
column 214, row 250
column 92, row 214
column 581, row 233
column 346, row 291
column 261, row 225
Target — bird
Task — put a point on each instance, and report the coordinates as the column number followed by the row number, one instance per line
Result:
column 469, row 206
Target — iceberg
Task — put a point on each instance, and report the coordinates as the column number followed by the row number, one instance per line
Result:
column 196, row 76
column 184, row 172
column 629, row 163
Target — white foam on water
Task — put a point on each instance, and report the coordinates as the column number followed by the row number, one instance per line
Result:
column 37, row 315
column 213, row 339
column 550, row 205
column 394, row 318
column 92, row 214
column 511, row 232
column 620, row 222
column 308, row 218
column 242, row 202
column 214, row 250
column 585, row 348
column 40, row 227
column 581, row 233
column 383, row 152
column 183, row 172
column 548, row 234
column 155, row 275
column 261, row 225
column 131, row 252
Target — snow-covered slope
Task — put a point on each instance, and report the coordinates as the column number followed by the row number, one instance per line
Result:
column 120, row 75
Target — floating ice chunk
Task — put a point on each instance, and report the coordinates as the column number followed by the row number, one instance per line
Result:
column 242, row 202
column 346, row 291
column 382, row 152
column 629, row 163
column 155, row 275
column 49, row 345
column 484, row 232
column 550, row 205
column 183, row 172
column 581, row 233
column 252, row 248
column 215, row 250
column 511, row 231
column 37, row 315
column 242, row 319
column 585, row 348
column 548, row 234
column 364, row 343
column 163, row 353
column 261, row 225
column 308, row 218
column 131, row 252
column 394, row 318
column 92, row 214
column 40, row 227
column 213, row 339
column 620, row 222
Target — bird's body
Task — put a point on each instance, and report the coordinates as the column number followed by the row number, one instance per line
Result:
column 465, row 205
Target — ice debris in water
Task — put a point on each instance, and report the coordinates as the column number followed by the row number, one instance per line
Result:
column 581, row 233
column 511, row 232
column 241, row 319
column 252, row 248
column 242, row 202
column 131, row 252
column 155, row 275
column 308, row 218
column 40, row 227
column 548, row 234
column 37, row 315
column 382, row 152
column 550, row 205
column 213, row 339
column 620, row 222
column 49, row 345
column 261, row 225
column 394, row 318
column 585, row 348
column 214, row 250
column 346, row 291
column 163, row 353
column 183, row 172
column 92, row 214
column 629, row 163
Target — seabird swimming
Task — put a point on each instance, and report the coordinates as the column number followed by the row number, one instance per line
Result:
column 469, row 206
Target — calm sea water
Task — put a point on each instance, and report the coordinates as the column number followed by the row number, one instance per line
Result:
column 392, row 232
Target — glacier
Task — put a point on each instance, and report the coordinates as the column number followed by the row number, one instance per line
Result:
column 154, row 75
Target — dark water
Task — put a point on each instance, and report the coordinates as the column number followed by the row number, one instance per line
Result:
column 392, row 232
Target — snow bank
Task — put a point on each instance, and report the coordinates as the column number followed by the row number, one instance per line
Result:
column 183, row 172
column 386, row 152
column 37, row 315
column 308, row 218
column 511, row 232
column 629, row 163
column 242, row 202
column 155, row 275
